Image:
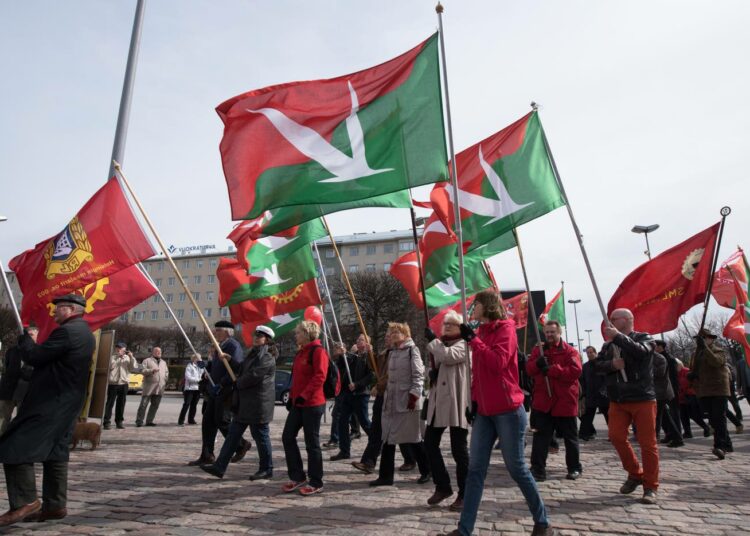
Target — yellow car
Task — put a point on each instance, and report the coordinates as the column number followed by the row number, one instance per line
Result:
column 135, row 383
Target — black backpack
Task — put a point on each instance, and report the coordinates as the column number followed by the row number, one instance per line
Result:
column 332, row 383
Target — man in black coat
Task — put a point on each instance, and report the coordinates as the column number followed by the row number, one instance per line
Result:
column 15, row 381
column 43, row 428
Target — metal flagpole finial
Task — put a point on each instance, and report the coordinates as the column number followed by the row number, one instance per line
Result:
column 439, row 8
column 725, row 211
column 534, row 105
column 116, row 165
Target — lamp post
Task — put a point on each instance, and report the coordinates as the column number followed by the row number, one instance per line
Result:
column 588, row 332
column 575, row 313
column 644, row 230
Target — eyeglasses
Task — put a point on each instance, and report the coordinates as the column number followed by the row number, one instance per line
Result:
column 450, row 324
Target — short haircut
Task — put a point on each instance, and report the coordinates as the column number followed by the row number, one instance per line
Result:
column 553, row 323
column 366, row 336
column 400, row 327
column 229, row 331
column 492, row 305
column 310, row 329
column 453, row 315
column 587, row 348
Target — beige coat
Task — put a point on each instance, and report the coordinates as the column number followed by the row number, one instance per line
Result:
column 120, row 368
column 449, row 395
column 405, row 377
column 155, row 374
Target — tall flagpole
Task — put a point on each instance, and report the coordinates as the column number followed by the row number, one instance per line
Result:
column 562, row 295
column 13, row 305
column 454, row 174
column 419, row 266
column 578, row 234
column 531, row 305
column 725, row 211
column 121, row 132
column 165, row 251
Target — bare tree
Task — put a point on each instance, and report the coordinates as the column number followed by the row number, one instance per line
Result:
column 681, row 341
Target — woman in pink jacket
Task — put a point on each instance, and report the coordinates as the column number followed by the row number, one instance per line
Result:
column 496, row 411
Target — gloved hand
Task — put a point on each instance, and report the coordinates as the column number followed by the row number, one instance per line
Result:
column 542, row 363
column 412, row 403
column 429, row 334
column 433, row 374
column 700, row 342
column 289, row 404
column 472, row 413
column 467, row 333
column 200, row 364
column 299, row 401
column 692, row 376
column 215, row 390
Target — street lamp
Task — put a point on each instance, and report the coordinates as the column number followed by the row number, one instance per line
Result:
column 644, row 230
column 575, row 313
column 3, row 218
column 588, row 332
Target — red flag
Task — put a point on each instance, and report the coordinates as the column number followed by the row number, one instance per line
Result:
column 422, row 204
column 103, row 238
column 106, row 299
column 724, row 291
column 738, row 329
column 660, row 290
column 436, row 322
column 406, row 270
column 518, row 309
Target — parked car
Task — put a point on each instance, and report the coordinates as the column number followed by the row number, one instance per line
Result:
column 283, row 384
column 135, row 384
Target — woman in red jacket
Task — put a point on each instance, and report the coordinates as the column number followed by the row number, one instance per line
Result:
column 496, row 411
column 307, row 404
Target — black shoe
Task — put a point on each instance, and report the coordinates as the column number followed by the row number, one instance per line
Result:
column 120, row 426
column 379, row 482
column 339, row 456
column 543, row 530
column 355, row 436
column 687, row 436
column 331, row 445
column 407, row 467
column 573, row 475
column 675, row 443
column 424, row 479
column 438, row 497
column 192, row 422
column 664, row 441
column 150, row 424
column 706, row 432
column 262, row 475
column 180, row 424
column 203, row 460
column 729, row 448
column 630, row 485
column 718, row 453
column 539, row 476
column 211, row 469
column 106, row 426
column 138, row 424
column 587, row 438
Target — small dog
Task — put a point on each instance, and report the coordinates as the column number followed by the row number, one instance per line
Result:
column 87, row 431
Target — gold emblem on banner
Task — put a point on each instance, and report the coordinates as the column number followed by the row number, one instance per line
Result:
column 288, row 296
column 690, row 265
column 93, row 292
column 68, row 251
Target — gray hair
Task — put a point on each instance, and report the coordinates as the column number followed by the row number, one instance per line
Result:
column 453, row 315
column 228, row 331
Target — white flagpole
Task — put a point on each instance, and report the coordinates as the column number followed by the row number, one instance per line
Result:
column 13, row 305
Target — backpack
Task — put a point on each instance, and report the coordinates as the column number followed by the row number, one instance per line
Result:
column 332, row 383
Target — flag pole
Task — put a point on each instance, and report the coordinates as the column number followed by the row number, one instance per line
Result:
column 333, row 311
column 578, row 234
column 6, row 284
column 351, row 295
column 562, row 295
column 725, row 211
column 419, row 266
column 531, row 305
column 164, row 250
column 454, row 175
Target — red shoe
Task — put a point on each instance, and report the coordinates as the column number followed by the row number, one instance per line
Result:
column 292, row 485
column 309, row 490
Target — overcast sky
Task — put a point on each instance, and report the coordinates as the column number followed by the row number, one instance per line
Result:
column 645, row 104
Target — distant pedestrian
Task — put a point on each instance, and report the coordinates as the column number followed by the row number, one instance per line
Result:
column 191, row 390
column 155, row 374
column 121, row 365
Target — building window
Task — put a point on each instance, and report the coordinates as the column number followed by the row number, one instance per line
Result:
column 353, row 268
column 124, row 318
column 138, row 315
column 387, row 248
column 154, row 315
column 199, row 263
column 330, row 270
column 213, row 264
column 207, row 312
column 156, row 299
column 212, row 278
column 158, row 282
column 166, row 314
column 186, row 264
column 210, row 295
column 330, row 254
column 370, row 268
column 197, row 280
column 169, row 297
column 170, row 282
column 386, row 266
column 196, row 296
column 406, row 245
column 183, row 297
column 225, row 312
column 160, row 267
column 353, row 251
column 193, row 313
column 371, row 250
column 180, row 313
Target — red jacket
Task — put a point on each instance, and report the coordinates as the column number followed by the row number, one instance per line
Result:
column 308, row 375
column 563, row 374
column 494, row 367
column 686, row 388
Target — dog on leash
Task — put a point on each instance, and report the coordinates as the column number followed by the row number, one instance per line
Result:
column 87, row 431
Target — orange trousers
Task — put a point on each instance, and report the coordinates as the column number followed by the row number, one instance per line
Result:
column 643, row 416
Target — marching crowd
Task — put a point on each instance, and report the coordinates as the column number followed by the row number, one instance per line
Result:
column 478, row 384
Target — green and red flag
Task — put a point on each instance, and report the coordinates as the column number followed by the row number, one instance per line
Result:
column 517, row 308
column 738, row 326
column 504, row 181
column 724, row 289
column 261, row 252
column 555, row 309
column 344, row 139
column 281, row 324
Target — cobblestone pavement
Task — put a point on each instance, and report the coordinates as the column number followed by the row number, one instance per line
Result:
column 137, row 482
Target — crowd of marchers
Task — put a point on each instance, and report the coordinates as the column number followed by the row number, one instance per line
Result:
column 472, row 380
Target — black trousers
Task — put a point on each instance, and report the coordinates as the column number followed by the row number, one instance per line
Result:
column 674, row 411
column 664, row 420
column 691, row 410
column 352, row 406
column 374, row 440
column 21, row 484
column 116, row 396
column 587, row 420
column 388, row 458
column 716, row 407
column 216, row 418
column 546, row 425
column 459, row 451
column 307, row 420
column 189, row 406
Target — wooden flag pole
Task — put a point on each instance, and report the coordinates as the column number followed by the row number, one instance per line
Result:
column 725, row 211
column 351, row 295
column 531, row 306
column 419, row 266
column 13, row 305
column 164, row 250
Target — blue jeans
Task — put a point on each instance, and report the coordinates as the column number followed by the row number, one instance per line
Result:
column 260, row 433
column 510, row 427
column 357, row 405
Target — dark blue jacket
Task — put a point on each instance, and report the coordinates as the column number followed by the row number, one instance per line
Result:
column 216, row 368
